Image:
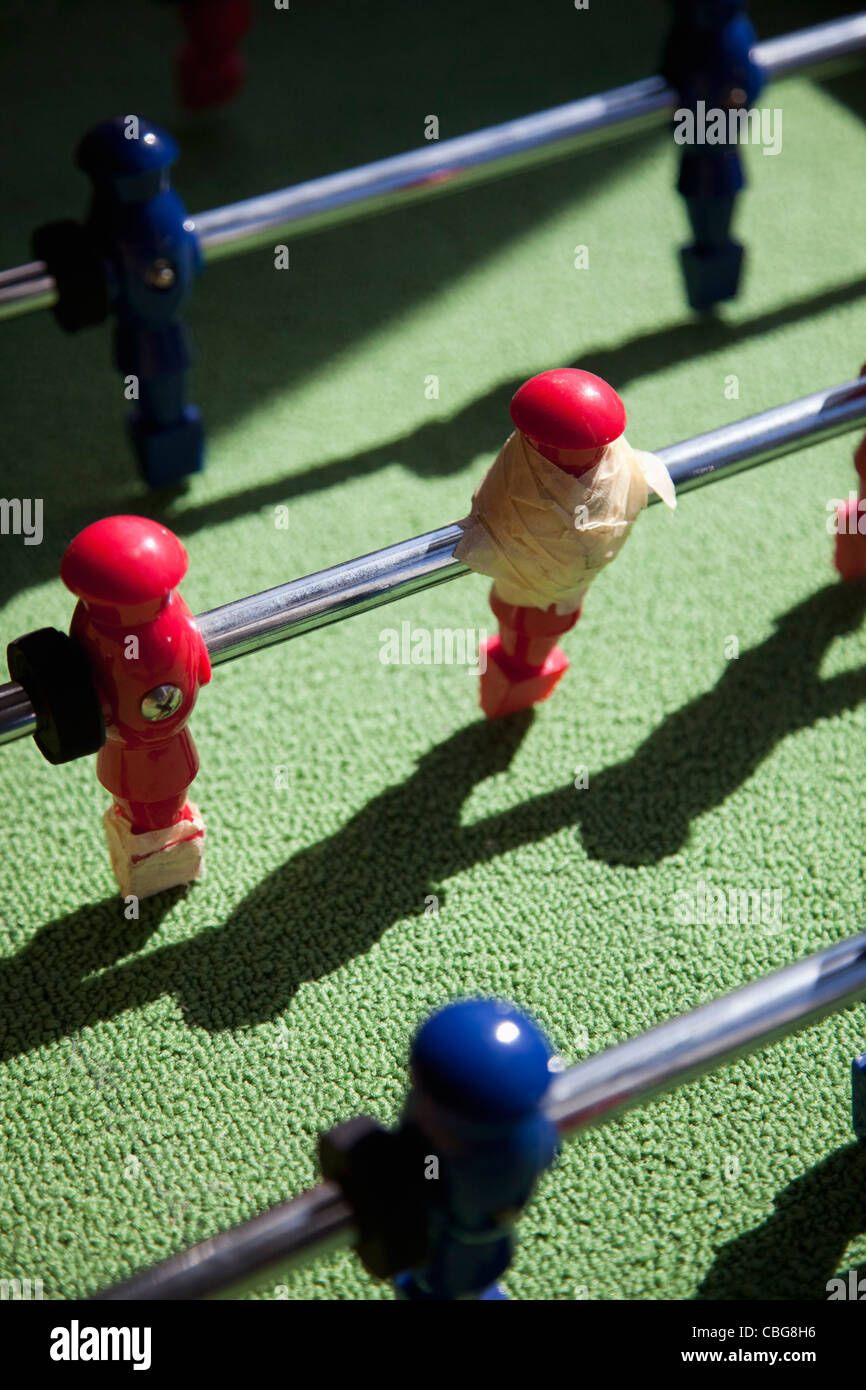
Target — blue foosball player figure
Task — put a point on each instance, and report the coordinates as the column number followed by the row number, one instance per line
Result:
column 708, row 61
column 147, row 238
column 479, row 1072
column 135, row 258
column 436, row 1198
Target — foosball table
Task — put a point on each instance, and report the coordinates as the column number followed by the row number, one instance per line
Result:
column 563, row 839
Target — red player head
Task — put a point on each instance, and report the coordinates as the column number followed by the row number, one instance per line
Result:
column 569, row 416
column 124, row 568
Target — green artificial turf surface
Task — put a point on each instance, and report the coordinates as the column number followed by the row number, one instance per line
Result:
column 166, row 1078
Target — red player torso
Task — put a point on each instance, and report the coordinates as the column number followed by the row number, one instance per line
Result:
column 132, row 654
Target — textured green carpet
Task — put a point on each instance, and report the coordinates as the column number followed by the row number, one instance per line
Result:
column 167, row 1078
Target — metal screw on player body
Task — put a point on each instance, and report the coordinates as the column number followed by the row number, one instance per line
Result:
column 160, row 275
column 161, row 702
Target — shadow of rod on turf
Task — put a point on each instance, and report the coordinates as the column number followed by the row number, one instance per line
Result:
column 797, row 1251
column 444, row 446
column 438, row 448
column 287, row 337
column 333, row 900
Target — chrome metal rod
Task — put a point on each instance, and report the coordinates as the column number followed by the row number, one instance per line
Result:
column 23, row 295
column 589, row 1094
column 275, row 615
column 759, row 438
column 503, row 149
column 245, row 1257
column 444, row 166
column 329, row 595
column 440, row 167
column 827, row 46
column 709, row 1037
column 17, row 716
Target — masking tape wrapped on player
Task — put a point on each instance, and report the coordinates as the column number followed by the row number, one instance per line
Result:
column 543, row 535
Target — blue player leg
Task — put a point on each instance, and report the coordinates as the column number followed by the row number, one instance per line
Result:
column 858, row 1096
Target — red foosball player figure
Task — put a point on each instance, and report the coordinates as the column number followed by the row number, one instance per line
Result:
column 211, row 66
column 148, row 660
column 556, row 506
column 850, row 554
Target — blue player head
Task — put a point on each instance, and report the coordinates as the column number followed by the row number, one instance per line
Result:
column 483, row 1062
column 129, row 157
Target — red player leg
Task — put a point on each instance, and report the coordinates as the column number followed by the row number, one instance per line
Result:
column 154, row 844
column 145, row 862
column 211, row 67
column 155, row 834
column 850, row 557
column 154, row 815
column 523, row 664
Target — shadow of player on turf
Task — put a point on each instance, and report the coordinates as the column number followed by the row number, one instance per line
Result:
column 799, row 1249
column 331, row 901
column 51, row 988
column 325, row 905
column 641, row 810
